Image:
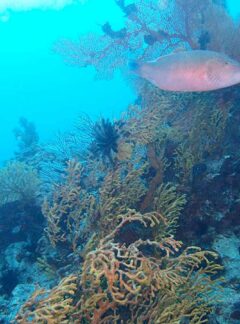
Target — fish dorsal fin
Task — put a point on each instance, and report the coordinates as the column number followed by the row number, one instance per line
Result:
column 159, row 59
column 176, row 51
column 179, row 50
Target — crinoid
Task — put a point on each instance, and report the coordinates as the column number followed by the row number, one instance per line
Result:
column 104, row 139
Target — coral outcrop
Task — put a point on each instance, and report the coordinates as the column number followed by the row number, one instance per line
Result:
column 133, row 280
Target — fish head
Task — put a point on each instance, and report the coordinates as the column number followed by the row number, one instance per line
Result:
column 223, row 71
column 148, row 71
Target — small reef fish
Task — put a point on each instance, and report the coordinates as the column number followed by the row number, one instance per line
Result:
column 188, row 71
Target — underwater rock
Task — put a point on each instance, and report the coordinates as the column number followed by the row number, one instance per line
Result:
column 8, row 281
column 15, row 254
column 236, row 315
column 21, row 225
column 19, row 295
column 19, row 274
column 211, row 177
column 214, row 205
column 199, row 169
column 19, row 259
column 20, row 222
column 198, row 172
column 228, row 248
column 4, row 311
column 227, row 165
column 236, row 311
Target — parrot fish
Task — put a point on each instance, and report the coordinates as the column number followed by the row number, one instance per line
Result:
column 188, row 71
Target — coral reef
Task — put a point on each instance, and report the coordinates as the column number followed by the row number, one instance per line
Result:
column 111, row 225
column 132, row 268
column 140, row 214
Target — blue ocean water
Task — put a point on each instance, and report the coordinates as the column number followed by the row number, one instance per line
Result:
column 131, row 219
column 35, row 82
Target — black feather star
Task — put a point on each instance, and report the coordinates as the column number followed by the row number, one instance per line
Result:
column 105, row 139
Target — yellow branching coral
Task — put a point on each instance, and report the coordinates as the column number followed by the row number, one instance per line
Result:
column 68, row 207
column 203, row 137
column 147, row 124
column 122, row 189
column 121, row 283
column 194, row 298
column 18, row 181
column 184, row 161
column 133, row 276
column 170, row 203
column 194, row 124
column 71, row 205
column 140, row 132
column 53, row 306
